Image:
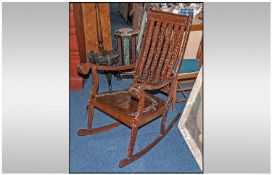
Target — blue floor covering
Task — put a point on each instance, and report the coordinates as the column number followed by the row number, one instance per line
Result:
column 102, row 152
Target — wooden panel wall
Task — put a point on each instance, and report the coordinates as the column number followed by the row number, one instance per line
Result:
column 89, row 18
column 83, row 36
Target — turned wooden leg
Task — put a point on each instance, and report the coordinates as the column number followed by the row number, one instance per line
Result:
column 132, row 140
column 133, row 136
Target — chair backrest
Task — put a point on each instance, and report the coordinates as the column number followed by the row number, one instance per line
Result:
column 161, row 53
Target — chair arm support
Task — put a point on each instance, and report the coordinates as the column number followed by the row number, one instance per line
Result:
column 84, row 68
column 137, row 89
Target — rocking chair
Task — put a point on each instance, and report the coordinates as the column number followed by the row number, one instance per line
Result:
column 160, row 57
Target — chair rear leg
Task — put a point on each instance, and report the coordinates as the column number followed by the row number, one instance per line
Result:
column 163, row 122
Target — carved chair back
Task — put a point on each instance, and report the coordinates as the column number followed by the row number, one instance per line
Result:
column 161, row 53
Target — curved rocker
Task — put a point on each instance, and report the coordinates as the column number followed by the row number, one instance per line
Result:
column 84, row 132
column 139, row 154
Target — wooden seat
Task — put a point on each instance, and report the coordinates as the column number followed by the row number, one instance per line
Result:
column 120, row 103
column 160, row 57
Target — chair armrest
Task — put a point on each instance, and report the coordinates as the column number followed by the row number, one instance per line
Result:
column 137, row 89
column 84, row 68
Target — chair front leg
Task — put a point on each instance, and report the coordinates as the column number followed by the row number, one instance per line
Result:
column 95, row 82
column 133, row 135
column 135, row 125
column 91, row 97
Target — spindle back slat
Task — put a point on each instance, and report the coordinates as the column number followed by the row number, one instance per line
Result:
column 151, row 52
column 175, row 53
column 158, row 51
column 170, row 51
column 164, row 51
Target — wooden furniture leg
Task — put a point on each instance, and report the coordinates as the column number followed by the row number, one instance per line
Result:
column 133, row 136
column 163, row 122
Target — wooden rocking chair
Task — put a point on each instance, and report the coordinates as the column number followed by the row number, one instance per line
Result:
column 160, row 57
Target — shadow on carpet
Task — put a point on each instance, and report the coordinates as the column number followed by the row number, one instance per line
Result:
column 102, row 152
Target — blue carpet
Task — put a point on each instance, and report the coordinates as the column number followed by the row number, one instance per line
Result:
column 102, row 152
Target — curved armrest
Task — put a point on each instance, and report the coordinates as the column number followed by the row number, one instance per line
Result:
column 84, row 68
column 137, row 89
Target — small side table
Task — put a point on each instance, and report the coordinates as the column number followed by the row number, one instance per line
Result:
column 126, row 42
column 105, row 58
